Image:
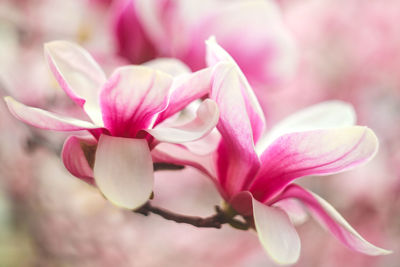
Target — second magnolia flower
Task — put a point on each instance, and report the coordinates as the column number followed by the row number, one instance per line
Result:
column 254, row 170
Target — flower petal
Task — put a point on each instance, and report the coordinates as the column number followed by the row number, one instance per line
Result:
column 329, row 114
column 237, row 160
column 276, row 233
column 132, row 97
column 44, row 119
column 179, row 155
column 332, row 220
column 294, row 209
column 78, row 157
column 253, row 108
column 172, row 66
column 78, row 75
column 318, row 152
column 123, row 170
column 205, row 121
column 185, row 89
column 206, row 145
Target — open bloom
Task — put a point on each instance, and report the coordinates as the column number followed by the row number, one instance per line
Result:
column 128, row 117
column 254, row 171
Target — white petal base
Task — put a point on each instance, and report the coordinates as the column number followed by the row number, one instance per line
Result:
column 276, row 233
column 123, row 171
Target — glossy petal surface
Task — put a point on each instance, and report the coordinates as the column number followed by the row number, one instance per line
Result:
column 253, row 108
column 185, row 89
column 78, row 74
column 318, row 152
column 237, row 161
column 132, row 97
column 205, row 121
column 276, row 233
column 325, row 115
column 46, row 120
column 123, row 171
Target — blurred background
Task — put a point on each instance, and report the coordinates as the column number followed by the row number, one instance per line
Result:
column 295, row 53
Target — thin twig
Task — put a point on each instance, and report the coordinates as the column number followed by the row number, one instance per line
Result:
column 160, row 166
column 214, row 221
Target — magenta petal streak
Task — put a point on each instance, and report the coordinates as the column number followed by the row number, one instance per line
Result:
column 318, row 152
column 131, row 99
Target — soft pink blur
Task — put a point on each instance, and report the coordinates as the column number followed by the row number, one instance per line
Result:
column 348, row 50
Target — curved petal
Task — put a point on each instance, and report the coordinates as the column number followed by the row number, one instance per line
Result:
column 78, row 157
column 78, row 74
column 44, row 119
column 172, row 66
column 176, row 154
column 253, row 108
column 332, row 220
column 185, row 89
column 318, row 152
column 123, row 170
column 329, row 114
column 132, row 97
column 206, row 145
column 276, row 233
column 237, row 160
column 205, row 121
column 294, row 209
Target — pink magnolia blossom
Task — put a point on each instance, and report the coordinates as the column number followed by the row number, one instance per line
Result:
column 128, row 118
column 251, row 31
column 254, row 170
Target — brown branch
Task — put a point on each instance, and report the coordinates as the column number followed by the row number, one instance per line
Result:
column 214, row 221
column 160, row 166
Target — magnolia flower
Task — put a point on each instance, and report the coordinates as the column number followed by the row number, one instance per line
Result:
column 127, row 114
column 252, row 31
column 254, row 170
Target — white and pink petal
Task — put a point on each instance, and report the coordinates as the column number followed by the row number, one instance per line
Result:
column 185, row 89
column 319, row 152
column 123, row 171
column 332, row 220
column 237, row 160
column 206, row 119
column 276, row 233
column 132, row 98
column 172, row 66
column 46, row 120
column 325, row 115
column 294, row 209
column 78, row 74
column 253, row 108
column 179, row 155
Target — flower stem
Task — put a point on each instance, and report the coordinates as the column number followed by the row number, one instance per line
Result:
column 214, row 221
